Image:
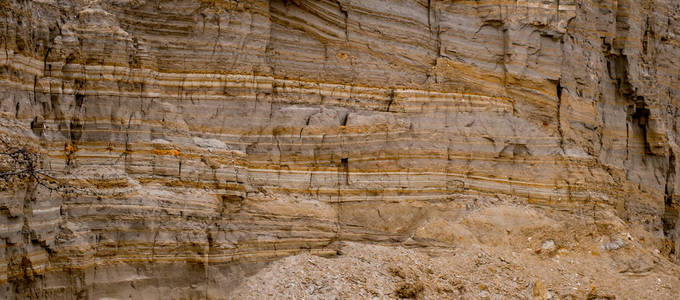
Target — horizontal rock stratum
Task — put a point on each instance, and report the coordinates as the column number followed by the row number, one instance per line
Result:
column 428, row 149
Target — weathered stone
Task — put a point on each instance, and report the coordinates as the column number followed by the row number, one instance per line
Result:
column 185, row 143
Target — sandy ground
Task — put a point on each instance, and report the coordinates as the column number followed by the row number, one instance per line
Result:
column 540, row 257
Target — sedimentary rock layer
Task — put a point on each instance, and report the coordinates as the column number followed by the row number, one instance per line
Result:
column 205, row 136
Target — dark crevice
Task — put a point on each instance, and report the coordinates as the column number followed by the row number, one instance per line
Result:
column 559, row 91
column 47, row 53
column 558, row 113
column 37, row 126
column 80, row 98
column 640, row 117
column 76, row 130
column 344, row 165
column 506, row 55
column 670, row 215
column 389, row 104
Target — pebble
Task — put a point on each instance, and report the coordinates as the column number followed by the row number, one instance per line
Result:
column 618, row 243
column 548, row 246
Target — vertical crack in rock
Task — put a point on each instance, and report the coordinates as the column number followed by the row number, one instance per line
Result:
column 219, row 34
column 35, row 93
column 391, row 100
column 558, row 114
column 47, row 54
column 434, row 29
column 671, row 212
column 628, row 129
column 345, row 13
column 429, row 15
column 505, row 59
column 344, row 165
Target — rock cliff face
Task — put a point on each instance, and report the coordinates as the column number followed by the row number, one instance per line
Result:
column 173, row 148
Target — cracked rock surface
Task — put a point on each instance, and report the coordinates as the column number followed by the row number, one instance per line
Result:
column 353, row 149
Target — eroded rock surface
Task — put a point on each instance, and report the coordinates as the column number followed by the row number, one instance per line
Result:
column 183, row 145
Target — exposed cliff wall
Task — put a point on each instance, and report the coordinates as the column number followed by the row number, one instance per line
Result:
column 184, row 143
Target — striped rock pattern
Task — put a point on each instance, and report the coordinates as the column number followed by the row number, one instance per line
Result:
column 206, row 137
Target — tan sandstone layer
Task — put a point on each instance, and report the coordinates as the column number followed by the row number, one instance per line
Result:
column 183, row 145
